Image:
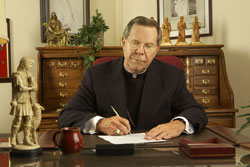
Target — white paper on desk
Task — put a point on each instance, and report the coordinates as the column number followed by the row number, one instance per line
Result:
column 135, row 138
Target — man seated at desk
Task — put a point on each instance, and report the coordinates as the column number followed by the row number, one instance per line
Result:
column 146, row 93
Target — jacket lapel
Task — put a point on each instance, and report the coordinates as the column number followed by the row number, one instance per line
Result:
column 151, row 92
column 117, row 89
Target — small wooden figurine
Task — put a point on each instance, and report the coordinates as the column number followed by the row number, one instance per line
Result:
column 27, row 114
column 181, row 39
column 166, row 29
column 196, row 26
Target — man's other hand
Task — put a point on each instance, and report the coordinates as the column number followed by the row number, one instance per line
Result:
column 112, row 125
column 166, row 131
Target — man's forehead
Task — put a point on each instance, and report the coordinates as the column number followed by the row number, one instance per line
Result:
column 148, row 33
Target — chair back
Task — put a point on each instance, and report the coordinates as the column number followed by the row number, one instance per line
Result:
column 166, row 59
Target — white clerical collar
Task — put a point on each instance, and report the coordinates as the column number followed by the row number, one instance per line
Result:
column 134, row 75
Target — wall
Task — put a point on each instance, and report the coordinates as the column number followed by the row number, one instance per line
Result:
column 230, row 27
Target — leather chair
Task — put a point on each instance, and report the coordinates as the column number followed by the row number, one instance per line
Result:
column 167, row 59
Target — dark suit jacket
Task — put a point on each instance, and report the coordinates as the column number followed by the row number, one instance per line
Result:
column 164, row 96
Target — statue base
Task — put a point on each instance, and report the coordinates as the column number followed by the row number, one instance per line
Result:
column 166, row 44
column 26, row 153
column 196, row 43
column 181, row 43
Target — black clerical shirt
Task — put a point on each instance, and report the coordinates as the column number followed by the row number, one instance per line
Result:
column 134, row 89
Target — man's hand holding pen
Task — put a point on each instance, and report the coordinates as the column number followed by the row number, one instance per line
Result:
column 112, row 125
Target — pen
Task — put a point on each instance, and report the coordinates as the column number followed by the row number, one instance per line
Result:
column 116, row 113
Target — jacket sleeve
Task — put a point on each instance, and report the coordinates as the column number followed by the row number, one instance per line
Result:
column 184, row 104
column 81, row 107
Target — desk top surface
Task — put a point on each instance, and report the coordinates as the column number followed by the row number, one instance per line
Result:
column 167, row 154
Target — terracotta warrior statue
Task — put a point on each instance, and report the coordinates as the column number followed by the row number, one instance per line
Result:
column 27, row 114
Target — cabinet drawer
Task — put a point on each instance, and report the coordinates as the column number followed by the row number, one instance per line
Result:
column 222, row 120
column 199, row 61
column 205, row 82
column 205, row 61
column 46, row 121
column 62, row 83
column 52, row 64
column 58, row 94
column 75, row 64
column 63, row 74
column 207, row 100
column 204, row 71
column 212, row 61
column 48, row 126
column 205, row 91
column 54, row 105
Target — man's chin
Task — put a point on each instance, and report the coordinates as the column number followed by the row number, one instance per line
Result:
column 138, row 70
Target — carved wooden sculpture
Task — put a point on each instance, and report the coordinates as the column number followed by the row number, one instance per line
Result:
column 181, row 39
column 196, row 26
column 166, row 28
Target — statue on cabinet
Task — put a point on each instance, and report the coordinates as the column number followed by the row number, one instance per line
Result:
column 181, row 26
column 27, row 114
column 196, row 26
column 55, row 34
column 166, row 28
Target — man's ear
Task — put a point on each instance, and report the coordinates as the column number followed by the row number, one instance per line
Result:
column 123, row 41
column 158, row 48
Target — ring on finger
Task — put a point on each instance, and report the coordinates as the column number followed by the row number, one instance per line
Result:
column 117, row 131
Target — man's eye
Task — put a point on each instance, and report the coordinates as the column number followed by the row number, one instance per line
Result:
column 135, row 42
column 149, row 45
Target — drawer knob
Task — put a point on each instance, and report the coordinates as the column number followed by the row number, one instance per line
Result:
column 199, row 61
column 62, row 64
column 62, row 84
column 211, row 61
column 205, row 101
column 205, row 71
column 50, row 64
column 205, row 91
column 63, row 74
column 205, row 81
column 75, row 64
column 63, row 94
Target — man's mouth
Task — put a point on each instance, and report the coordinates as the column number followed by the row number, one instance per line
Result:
column 137, row 61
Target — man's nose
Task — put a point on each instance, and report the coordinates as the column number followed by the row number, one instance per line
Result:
column 140, row 50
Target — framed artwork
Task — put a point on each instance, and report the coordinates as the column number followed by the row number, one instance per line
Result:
column 5, row 58
column 71, row 13
column 173, row 9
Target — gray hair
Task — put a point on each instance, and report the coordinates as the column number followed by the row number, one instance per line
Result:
column 141, row 20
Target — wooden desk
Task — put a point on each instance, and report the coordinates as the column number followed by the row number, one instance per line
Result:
column 60, row 71
column 145, row 155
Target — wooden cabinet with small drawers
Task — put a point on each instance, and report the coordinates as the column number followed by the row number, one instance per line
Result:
column 60, row 74
column 60, row 71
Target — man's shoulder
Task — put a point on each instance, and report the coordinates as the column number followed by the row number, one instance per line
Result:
column 165, row 66
column 106, row 67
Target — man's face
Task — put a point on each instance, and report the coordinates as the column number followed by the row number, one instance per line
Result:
column 139, row 48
